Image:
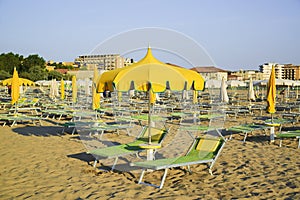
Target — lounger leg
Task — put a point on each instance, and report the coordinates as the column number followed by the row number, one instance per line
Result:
column 245, row 137
column 163, row 179
column 210, row 167
column 113, row 167
column 95, row 163
column 73, row 131
column 280, row 143
column 141, row 176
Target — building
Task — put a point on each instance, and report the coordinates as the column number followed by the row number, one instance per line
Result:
column 291, row 72
column 211, row 73
column 244, row 75
column 102, row 62
column 266, row 70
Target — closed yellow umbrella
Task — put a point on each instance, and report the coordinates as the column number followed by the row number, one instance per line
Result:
column 96, row 96
column 62, row 89
column 271, row 99
column 15, row 87
column 271, row 92
column 74, row 89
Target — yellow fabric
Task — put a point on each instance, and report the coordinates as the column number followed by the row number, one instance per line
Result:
column 22, row 81
column 62, row 89
column 74, row 89
column 119, row 96
column 195, row 96
column 96, row 96
column 150, row 71
column 152, row 97
column 155, row 134
column 271, row 92
column 15, row 87
column 208, row 144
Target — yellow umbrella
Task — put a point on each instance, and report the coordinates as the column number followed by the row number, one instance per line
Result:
column 15, row 87
column 271, row 92
column 74, row 89
column 150, row 72
column 96, row 96
column 62, row 89
column 150, row 75
column 22, row 81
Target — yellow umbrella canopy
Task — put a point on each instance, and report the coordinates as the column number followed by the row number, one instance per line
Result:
column 22, row 81
column 15, row 87
column 271, row 92
column 150, row 73
column 152, row 76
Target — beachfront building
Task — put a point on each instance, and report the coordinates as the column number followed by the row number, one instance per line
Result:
column 102, row 62
column 245, row 75
column 291, row 72
column 266, row 70
column 211, row 73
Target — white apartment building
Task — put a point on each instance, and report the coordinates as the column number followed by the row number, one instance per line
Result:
column 102, row 62
column 267, row 67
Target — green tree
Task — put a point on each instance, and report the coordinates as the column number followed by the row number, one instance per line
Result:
column 54, row 75
column 4, row 75
column 32, row 61
column 9, row 61
column 35, row 73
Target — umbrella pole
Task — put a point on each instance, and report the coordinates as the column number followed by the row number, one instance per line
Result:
column 149, row 117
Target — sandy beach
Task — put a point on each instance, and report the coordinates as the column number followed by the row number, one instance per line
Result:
column 38, row 162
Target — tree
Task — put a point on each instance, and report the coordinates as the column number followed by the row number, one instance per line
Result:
column 32, row 61
column 54, row 75
column 9, row 61
column 4, row 75
column 35, row 73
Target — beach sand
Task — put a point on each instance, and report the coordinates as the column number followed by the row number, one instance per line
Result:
column 38, row 162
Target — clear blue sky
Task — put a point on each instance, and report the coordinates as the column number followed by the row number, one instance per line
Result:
column 237, row 34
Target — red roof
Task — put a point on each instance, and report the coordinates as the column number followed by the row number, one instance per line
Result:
column 210, row 69
column 62, row 71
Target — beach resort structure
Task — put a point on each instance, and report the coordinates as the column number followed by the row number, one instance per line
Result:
column 211, row 72
column 244, row 75
column 102, row 62
column 282, row 71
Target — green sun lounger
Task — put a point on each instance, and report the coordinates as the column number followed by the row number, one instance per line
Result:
column 117, row 151
column 246, row 129
column 289, row 134
column 203, row 150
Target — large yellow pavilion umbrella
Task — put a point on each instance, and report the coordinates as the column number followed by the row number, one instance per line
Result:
column 95, row 95
column 22, row 81
column 62, row 89
column 15, row 87
column 150, row 75
column 271, row 92
column 74, row 89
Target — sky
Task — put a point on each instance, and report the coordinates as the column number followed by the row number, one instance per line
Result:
column 235, row 34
